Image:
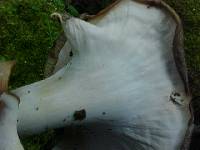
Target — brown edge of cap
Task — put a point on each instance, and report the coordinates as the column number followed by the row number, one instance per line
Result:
column 178, row 47
column 5, row 72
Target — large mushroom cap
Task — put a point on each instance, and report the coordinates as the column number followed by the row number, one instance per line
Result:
column 123, row 84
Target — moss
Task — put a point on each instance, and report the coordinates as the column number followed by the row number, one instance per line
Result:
column 26, row 35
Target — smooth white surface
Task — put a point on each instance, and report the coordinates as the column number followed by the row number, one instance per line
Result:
column 9, row 139
column 63, row 57
column 123, row 65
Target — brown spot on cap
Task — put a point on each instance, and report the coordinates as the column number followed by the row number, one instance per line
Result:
column 79, row 115
column 177, row 94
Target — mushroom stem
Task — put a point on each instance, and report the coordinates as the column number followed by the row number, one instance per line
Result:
column 9, row 107
column 9, row 139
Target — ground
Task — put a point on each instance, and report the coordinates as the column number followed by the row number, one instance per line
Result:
column 27, row 34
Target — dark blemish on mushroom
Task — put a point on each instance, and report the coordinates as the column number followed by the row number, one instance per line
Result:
column 29, row 92
column 17, row 120
column 59, row 78
column 148, row 6
column 71, row 54
column 37, row 108
column 176, row 99
column 79, row 115
column 177, row 94
column 172, row 99
column 64, row 120
column 103, row 113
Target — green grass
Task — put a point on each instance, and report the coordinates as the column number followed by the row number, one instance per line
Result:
column 27, row 34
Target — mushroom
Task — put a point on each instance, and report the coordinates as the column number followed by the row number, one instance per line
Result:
column 125, row 86
column 9, row 139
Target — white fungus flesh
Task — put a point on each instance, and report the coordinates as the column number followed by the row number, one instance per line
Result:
column 9, row 139
column 121, row 85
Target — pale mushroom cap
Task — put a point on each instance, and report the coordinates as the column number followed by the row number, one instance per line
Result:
column 123, row 66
